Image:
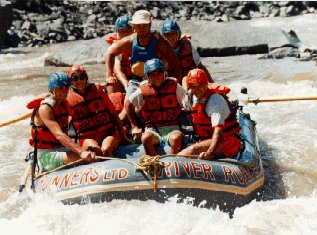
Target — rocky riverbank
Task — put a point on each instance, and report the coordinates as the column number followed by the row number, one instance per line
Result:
column 35, row 22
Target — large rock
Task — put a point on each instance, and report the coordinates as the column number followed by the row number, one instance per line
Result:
column 258, row 36
column 79, row 52
column 235, row 37
column 6, row 17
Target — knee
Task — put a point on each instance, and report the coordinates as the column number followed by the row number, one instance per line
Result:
column 176, row 138
column 146, row 138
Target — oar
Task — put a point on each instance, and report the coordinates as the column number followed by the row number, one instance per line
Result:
column 23, row 117
column 280, row 99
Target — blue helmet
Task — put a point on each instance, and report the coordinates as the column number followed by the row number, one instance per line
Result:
column 58, row 79
column 122, row 22
column 152, row 65
column 171, row 26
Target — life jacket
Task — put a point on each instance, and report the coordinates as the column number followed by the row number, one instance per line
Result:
column 185, row 56
column 45, row 139
column 186, row 36
column 125, row 60
column 117, row 98
column 160, row 105
column 218, row 88
column 202, row 123
column 141, row 54
column 111, row 39
column 89, row 114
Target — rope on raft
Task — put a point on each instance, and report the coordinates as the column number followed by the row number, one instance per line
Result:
column 151, row 165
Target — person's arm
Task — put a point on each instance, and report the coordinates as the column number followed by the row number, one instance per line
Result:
column 217, row 109
column 166, row 52
column 136, row 130
column 181, row 95
column 119, row 126
column 117, row 48
column 120, row 75
column 47, row 116
column 134, row 102
column 215, row 141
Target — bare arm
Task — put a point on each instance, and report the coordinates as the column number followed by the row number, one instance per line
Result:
column 120, row 129
column 166, row 52
column 117, row 48
column 215, row 142
column 129, row 107
column 120, row 75
column 136, row 130
column 47, row 116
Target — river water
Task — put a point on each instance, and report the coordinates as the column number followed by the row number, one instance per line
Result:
column 287, row 204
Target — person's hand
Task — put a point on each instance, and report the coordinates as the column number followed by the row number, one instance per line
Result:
column 111, row 80
column 87, row 155
column 136, row 133
column 205, row 155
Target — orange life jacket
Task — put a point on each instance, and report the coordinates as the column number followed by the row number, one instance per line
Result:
column 125, row 60
column 45, row 139
column 89, row 114
column 160, row 105
column 202, row 123
column 117, row 98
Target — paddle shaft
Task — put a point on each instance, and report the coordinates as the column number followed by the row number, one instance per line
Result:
column 280, row 99
column 23, row 117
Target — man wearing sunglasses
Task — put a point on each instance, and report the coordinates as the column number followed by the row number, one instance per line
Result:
column 93, row 115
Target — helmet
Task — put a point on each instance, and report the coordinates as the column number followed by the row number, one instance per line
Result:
column 78, row 71
column 58, row 79
column 152, row 65
column 171, row 26
column 196, row 76
column 122, row 22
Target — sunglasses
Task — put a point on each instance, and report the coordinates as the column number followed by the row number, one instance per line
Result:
column 79, row 77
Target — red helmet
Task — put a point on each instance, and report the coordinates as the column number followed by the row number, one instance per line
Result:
column 196, row 76
column 77, row 71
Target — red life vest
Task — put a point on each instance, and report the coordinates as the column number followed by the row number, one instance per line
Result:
column 160, row 105
column 202, row 123
column 125, row 60
column 90, row 115
column 117, row 98
column 185, row 56
column 45, row 139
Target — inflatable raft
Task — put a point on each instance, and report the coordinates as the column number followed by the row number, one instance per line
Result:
column 227, row 183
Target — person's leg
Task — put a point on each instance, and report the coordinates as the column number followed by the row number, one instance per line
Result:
column 109, row 145
column 197, row 148
column 132, row 87
column 50, row 159
column 175, row 140
column 150, row 140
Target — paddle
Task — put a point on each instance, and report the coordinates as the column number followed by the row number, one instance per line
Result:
column 280, row 99
column 244, row 99
column 23, row 117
